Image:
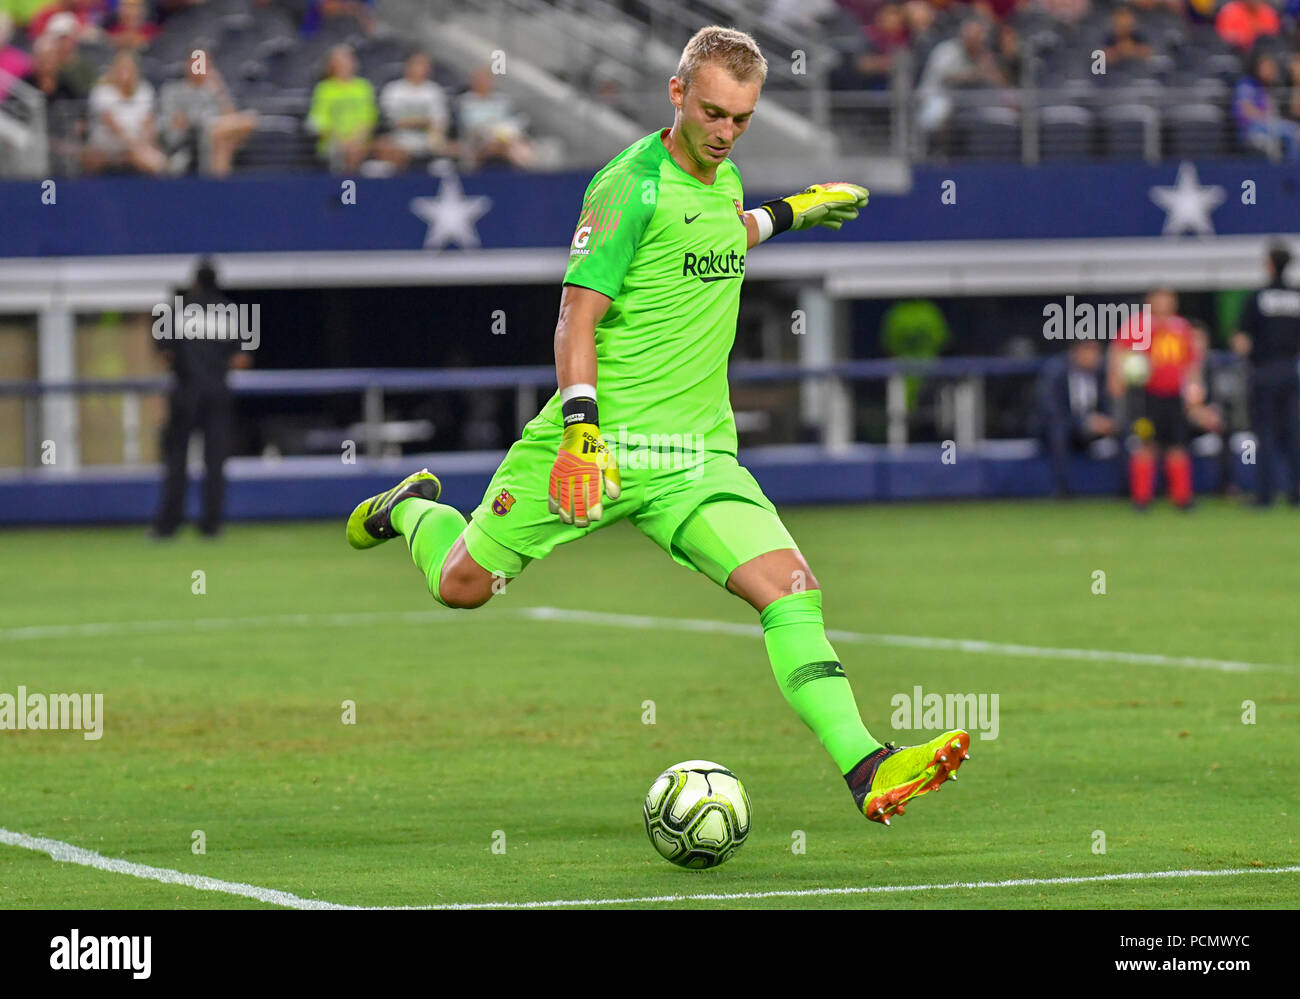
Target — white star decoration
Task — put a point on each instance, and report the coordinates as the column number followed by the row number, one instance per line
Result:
column 450, row 215
column 1188, row 205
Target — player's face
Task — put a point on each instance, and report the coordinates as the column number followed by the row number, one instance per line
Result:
column 713, row 112
column 1087, row 354
column 1163, row 303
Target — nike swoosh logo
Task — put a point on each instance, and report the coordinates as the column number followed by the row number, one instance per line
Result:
column 691, row 218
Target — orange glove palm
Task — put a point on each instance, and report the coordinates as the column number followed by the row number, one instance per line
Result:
column 584, row 472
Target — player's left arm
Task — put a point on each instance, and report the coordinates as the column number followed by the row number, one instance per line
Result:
column 1194, row 392
column 830, row 205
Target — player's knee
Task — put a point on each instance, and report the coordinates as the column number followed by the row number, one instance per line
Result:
column 465, row 587
column 463, row 594
column 796, row 576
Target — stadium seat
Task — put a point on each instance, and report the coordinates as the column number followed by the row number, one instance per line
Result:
column 279, row 143
column 990, row 133
column 1223, row 64
column 1124, row 129
column 1065, row 132
column 1196, row 130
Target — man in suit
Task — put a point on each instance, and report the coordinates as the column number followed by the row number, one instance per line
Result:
column 200, row 400
column 1071, row 407
column 1269, row 336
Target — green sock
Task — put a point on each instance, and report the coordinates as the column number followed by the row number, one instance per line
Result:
column 812, row 679
column 430, row 530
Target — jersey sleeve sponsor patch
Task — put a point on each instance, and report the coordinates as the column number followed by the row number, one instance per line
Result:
column 617, row 207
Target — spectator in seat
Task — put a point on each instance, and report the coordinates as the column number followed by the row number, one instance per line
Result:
column 1068, row 12
column 1258, row 124
column 1071, row 408
column 75, row 69
column 919, row 17
column 132, row 29
column 415, row 111
column 994, row 11
column 1293, row 78
column 343, row 112
column 1125, row 44
column 957, row 63
column 490, row 130
column 1241, row 22
column 1008, row 52
column 123, row 132
column 200, row 124
column 63, row 104
column 319, row 11
column 46, row 75
column 13, row 60
column 86, row 13
column 872, row 67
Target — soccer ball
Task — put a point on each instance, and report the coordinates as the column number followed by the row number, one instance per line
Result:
column 697, row 814
column 1136, row 368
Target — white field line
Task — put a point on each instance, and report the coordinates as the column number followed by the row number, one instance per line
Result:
column 68, row 854
column 871, row 889
column 968, row 645
column 634, row 621
column 180, row 626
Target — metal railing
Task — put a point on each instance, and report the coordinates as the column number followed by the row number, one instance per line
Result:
column 373, row 386
column 960, row 401
column 886, row 122
column 24, row 143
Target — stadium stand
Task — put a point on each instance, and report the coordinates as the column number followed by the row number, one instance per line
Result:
column 1152, row 80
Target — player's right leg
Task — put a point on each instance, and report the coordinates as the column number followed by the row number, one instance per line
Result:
column 440, row 541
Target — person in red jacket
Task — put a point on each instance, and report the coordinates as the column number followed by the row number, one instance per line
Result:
column 1158, row 367
column 1241, row 22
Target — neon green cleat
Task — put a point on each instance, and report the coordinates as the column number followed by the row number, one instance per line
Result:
column 890, row 777
column 371, row 522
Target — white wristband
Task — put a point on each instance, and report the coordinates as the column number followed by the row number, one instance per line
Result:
column 579, row 391
column 763, row 220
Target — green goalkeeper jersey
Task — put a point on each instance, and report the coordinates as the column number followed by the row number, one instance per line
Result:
column 670, row 251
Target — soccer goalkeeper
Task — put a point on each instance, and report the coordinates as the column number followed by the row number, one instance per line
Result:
column 647, row 320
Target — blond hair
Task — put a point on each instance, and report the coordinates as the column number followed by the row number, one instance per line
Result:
column 734, row 50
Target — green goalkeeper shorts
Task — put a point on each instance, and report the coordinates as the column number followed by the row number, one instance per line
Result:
column 662, row 490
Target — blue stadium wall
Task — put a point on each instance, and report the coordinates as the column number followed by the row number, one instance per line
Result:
column 866, row 474
column 129, row 215
column 290, row 214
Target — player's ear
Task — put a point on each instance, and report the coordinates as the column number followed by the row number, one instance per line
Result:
column 676, row 92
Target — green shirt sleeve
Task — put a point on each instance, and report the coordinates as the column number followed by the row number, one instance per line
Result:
column 619, row 203
column 317, row 116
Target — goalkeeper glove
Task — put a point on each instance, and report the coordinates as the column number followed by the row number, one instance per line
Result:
column 584, row 467
column 830, row 204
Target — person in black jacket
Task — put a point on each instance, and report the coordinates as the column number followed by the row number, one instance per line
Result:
column 1071, row 407
column 1269, row 336
column 200, row 400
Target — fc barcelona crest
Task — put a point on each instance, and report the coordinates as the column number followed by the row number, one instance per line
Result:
column 502, row 504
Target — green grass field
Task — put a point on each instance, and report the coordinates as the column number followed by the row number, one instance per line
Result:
column 223, row 713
